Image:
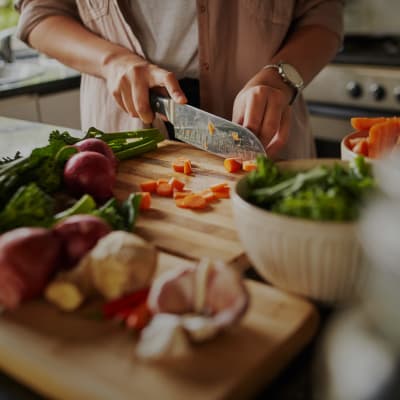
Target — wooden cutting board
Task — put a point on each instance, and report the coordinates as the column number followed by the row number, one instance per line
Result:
column 70, row 357
column 183, row 232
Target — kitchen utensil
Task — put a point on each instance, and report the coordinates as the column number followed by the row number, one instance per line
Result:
column 207, row 131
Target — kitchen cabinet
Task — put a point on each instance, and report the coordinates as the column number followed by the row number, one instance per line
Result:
column 60, row 108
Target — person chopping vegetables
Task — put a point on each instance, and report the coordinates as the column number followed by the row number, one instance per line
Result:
column 245, row 60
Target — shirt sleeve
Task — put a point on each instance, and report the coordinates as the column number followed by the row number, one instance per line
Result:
column 32, row 12
column 325, row 13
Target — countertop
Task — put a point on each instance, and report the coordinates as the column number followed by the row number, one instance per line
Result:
column 296, row 381
column 51, row 77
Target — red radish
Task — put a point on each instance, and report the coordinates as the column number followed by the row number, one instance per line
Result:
column 28, row 258
column 79, row 233
column 90, row 172
column 98, row 146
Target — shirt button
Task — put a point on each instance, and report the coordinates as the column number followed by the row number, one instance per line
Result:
column 203, row 9
column 206, row 66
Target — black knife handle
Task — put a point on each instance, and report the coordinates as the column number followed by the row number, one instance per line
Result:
column 158, row 104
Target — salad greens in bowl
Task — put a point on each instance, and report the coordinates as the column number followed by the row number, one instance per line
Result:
column 297, row 222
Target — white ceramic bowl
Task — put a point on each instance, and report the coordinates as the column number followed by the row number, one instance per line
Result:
column 317, row 259
column 346, row 153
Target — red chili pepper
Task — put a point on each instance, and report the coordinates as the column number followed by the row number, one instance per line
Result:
column 122, row 306
column 139, row 317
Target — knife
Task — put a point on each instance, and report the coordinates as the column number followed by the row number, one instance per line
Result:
column 207, row 131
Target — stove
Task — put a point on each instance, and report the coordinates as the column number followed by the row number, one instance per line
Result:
column 363, row 80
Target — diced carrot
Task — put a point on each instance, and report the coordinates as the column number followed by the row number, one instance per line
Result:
column 187, row 167
column 145, row 201
column 383, row 137
column 232, row 164
column 161, row 180
column 249, row 165
column 176, row 184
column 354, row 141
column 181, row 195
column 361, row 147
column 365, row 123
column 178, row 165
column 218, row 187
column 208, row 195
column 139, row 317
column 192, row 201
column 164, row 189
column 223, row 194
column 149, row 186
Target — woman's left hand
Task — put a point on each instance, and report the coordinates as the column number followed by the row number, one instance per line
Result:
column 263, row 107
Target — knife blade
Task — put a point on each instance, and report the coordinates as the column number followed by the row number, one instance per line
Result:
column 207, row 131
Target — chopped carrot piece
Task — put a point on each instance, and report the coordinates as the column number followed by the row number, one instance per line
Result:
column 232, row 164
column 139, row 317
column 161, row 180
column 164, row 189
column 178, row 166
column 181, row 195
column 361, row 147
column 149, row 186
column 145, row 201
column 365, row 123
column 192, row 201
column 383, row 137
column 354, row 141
column 219, row 187
column 249, row 165
column 176, row 184
column 187, row 167
column 223, row 194
column 208, row 195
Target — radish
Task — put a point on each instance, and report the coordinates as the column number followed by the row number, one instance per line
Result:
column 98, row 146
column 79, row 233
column 90, row 172
column 28, row 258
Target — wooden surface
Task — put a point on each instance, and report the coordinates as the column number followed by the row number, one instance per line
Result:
column 70, row 357
column 191, row 234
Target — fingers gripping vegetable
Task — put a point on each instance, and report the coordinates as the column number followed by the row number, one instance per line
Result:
column 79, row 234
column 119, row 264
column 98, row 146
column 90, row 172
column 28, row 257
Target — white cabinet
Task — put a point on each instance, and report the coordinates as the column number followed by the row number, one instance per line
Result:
column 20, row 107
column 60, row 109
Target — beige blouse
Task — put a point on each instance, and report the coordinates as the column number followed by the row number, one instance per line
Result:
column 236, row 39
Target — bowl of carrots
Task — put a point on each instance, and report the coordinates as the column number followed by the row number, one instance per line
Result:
column 374, row 138
column 297, row 221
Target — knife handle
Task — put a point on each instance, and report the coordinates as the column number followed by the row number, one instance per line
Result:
column 159, row 104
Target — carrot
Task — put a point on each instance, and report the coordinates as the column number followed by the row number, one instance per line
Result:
column 218, row 187
column 365, row 123
column 181, row 195
column 176, row 184
column 149, row 186
column 208, row 195
column 232, row 164
column 354, row 141
column 139, row 317
column 178, row 166
column 161, row 180
column 383, row 137
column 192, row 201
column 249, row 165
column 145, row 201
column 223, row 194
column 164, row 189
column 361, row 147
column 187, row 167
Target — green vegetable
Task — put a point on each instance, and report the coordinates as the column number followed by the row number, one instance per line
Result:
column 29, row 206
column 322, row 193
column 85, row 205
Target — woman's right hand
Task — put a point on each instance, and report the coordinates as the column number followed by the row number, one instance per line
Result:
column 129, row 78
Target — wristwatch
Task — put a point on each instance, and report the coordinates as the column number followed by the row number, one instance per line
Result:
column 289, row 75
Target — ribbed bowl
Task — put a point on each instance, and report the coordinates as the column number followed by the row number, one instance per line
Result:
column 320, row 260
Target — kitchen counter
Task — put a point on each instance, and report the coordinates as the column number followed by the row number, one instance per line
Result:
column 294, row 383
column 52, row 77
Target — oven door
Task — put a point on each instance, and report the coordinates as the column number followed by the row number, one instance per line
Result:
column 330, row 123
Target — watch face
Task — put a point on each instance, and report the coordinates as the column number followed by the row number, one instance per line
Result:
column 292, row 75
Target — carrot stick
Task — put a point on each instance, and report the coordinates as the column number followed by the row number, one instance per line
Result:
column 149, row 186
column 232, row 164
column 164, row 189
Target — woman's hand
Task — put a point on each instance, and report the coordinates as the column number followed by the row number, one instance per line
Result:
column 129, row 79
column 263, row 107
